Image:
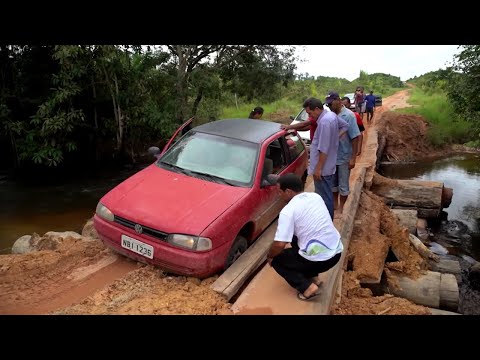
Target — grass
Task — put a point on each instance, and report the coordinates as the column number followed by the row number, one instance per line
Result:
column 284, row 106
column 446, row 126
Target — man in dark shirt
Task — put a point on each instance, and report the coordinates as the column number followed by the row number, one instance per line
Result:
column 370, row 100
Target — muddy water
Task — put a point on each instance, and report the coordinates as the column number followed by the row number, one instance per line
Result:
column 462, row 173
column 63, row 206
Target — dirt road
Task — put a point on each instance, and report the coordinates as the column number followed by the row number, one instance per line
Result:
column 82, row 277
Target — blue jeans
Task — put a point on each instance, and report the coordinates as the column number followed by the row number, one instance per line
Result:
column 340, row 179
column 323, row 188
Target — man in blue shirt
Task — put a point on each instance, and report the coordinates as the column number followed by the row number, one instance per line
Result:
column 324, row 147
column 370, row 100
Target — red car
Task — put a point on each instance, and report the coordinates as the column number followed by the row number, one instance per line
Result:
column 206, row 198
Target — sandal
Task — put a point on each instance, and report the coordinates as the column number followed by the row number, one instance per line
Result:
column 300, row 296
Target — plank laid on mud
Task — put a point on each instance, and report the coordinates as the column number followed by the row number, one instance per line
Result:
column 235, row 276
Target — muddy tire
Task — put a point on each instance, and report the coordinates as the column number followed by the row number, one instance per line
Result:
column 238, row 248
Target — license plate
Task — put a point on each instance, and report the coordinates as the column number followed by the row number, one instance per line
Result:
column 137, row 246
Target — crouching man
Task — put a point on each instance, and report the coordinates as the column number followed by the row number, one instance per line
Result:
column 316, row 245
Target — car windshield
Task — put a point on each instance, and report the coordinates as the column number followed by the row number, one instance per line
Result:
column 212, row 157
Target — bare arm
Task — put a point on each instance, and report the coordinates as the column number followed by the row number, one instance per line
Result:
column 276, row 248
column 301, row 126
column 354, row 152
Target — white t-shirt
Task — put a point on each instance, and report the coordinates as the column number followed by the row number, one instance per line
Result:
column 307, row 217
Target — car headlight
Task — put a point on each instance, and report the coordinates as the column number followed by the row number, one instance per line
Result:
column 104, row 212
column 190, row 242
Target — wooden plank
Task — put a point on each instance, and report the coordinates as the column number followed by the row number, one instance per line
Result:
column 238, row 273
column 235, row 276
column 327, row 298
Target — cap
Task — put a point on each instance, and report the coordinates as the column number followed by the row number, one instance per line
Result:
column 332, row 95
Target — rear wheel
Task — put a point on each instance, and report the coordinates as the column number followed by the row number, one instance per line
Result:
column 238, row 248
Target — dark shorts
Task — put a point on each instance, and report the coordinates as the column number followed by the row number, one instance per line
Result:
column 370, row 110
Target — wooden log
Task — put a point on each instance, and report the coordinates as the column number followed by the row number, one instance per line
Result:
column 422, row 232
column 431, row 289
column 449, row 292
column 410, row 193
column 421, row 212
column 423, row 291
column 422, row 249
column 442, row 312
column 446, row 266
column 447, row 195
column 407, row 218
column 428, row 213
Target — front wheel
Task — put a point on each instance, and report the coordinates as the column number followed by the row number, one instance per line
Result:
column 238, row 248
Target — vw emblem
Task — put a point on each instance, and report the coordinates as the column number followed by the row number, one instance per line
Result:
column 138, row 228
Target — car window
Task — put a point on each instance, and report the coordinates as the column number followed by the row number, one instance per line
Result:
column 226, row 158
column 295, row 146
column 277, row 155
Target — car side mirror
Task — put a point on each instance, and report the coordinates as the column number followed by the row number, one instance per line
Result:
column 270, row 180
column 154, row 151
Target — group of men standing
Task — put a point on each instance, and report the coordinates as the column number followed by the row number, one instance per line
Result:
column 333, row 150
column 306, row 222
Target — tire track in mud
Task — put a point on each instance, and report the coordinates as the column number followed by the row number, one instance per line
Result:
column 41, row 282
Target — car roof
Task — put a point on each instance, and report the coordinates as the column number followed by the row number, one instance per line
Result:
column 251, row 130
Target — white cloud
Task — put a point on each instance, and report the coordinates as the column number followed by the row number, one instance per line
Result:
column 346, row 61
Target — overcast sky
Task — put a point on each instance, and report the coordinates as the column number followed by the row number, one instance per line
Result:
column 346, row 61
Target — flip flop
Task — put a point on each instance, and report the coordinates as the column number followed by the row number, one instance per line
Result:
column 300, row 296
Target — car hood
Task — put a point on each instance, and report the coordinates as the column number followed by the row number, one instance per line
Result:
column 171, row 202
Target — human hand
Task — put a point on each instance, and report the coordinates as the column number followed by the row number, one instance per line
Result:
column 285, row 127
column 351, row 163
column 317, row 175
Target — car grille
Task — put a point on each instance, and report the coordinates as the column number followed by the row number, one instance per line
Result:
column 145, row 229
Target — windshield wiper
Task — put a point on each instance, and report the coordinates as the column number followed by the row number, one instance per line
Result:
column 213, row 177
column 182, row 170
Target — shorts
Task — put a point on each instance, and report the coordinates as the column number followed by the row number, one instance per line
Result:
column 340, row 180
column 363, row 106
column 369, row 109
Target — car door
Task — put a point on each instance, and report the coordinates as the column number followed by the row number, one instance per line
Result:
column 274, row 152
column 177, row 135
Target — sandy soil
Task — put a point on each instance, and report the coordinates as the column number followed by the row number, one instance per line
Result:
column 82, row 277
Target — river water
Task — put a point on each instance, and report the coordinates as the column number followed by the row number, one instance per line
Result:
column 62, row 205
